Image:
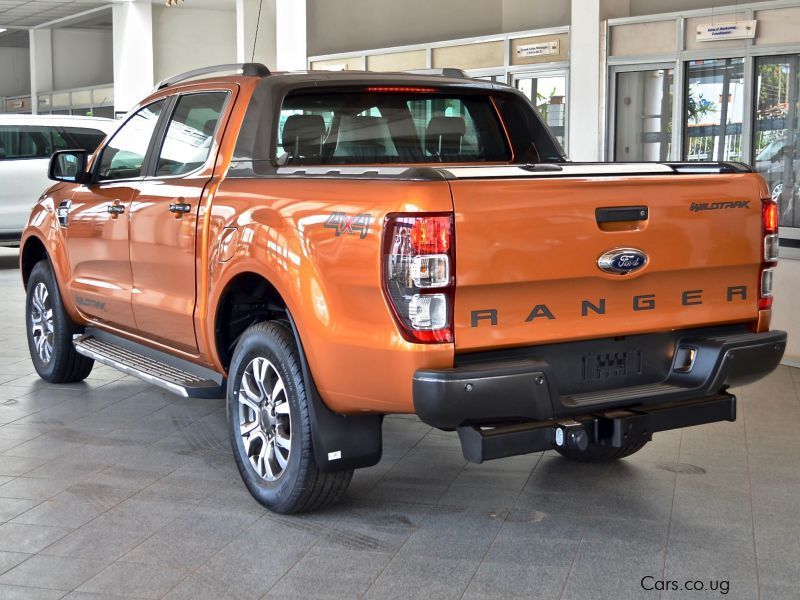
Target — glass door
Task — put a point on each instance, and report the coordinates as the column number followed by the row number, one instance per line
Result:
column 776, row 132
column 548, row 92
column 714, row 108
column 643, row 115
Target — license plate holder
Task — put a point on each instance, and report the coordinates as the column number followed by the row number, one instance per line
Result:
column 614, row 365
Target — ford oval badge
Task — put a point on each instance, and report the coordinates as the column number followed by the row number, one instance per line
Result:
column 622, row 261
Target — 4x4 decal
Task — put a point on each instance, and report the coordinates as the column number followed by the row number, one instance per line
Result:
column 345, row 225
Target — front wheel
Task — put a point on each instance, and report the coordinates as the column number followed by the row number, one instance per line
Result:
column 50, row 330
column 270, row 426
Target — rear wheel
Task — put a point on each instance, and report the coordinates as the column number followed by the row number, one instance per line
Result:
column 597, row 453
column 270, row 426
column 50, row 330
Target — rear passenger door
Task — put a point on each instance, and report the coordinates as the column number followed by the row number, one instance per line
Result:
column 165, row 216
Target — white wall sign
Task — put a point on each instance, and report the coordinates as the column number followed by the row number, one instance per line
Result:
column 740, row 30
column 540, row 49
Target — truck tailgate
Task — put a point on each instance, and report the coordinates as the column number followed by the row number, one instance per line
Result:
column 527, row 251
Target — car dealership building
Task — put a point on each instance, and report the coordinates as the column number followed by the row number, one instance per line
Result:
column 115, row 488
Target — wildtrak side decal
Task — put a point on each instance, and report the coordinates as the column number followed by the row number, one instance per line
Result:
column 641, row 302
column 81, row 301
column 698, row 206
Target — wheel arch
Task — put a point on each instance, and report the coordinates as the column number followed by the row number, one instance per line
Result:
column 340, row 442
column 247, row 298
column 33, row 251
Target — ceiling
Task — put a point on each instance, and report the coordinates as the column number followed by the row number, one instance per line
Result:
column 24, row 14
column 30, row 13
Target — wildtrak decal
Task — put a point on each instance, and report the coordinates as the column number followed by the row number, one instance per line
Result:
column 81, row 301
column 641, row 302
column 698, row 206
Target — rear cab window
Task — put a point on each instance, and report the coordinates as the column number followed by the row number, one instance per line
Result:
column 382, row 125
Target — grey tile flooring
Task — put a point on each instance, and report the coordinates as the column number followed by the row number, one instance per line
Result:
column 115, row 489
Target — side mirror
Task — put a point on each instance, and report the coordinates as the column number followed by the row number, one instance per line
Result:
column 68, row 165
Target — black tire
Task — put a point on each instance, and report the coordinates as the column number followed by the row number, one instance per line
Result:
column 597, row 453
column 64, row 364
column 300, row 486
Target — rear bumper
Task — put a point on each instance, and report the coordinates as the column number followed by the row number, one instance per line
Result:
column 518, row 390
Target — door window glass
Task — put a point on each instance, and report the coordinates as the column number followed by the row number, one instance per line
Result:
column 714, row 100
column 549, row 94
column 69, row 138
column 190, row 133
column 123, row 156
column 776, row 135
column 643, row 115
column 25, row 141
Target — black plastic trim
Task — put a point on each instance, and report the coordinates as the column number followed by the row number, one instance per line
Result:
column 621, row 214
column 357, row 439
column 519, row 390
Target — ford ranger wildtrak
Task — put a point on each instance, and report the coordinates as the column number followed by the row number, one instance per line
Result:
column 324, row 249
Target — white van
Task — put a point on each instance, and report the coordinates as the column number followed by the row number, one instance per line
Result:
column 26, row 143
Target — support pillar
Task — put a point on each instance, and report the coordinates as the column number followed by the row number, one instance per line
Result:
column 133, row 53
column 585, row 72
column 41, row 60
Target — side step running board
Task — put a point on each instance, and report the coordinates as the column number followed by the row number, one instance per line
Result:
column 158, row 368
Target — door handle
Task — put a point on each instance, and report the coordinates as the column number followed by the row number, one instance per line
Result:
column 115, row 210
column 621, row 214
column 180, row 208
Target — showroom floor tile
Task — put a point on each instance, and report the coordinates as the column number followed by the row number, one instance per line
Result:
column 114, row 488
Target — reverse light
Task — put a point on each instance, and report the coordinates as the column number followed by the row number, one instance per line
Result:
column 771, row 247
column 418, row 256
column 428, row 312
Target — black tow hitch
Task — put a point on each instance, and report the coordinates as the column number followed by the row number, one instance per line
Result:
column 615, row 428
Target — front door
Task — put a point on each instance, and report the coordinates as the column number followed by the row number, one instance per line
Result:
column 96, row 223
column 164, row 220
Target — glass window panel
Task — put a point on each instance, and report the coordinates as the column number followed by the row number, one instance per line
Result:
column 714, row 96
column 190, row 133
column 21, row 142
column 123, row 156
column 643, row 115
column 776, row 136
column 549, row 94
column 387, row 127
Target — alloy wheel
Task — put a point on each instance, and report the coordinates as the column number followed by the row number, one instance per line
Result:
column 264, row 418
column 42, row 322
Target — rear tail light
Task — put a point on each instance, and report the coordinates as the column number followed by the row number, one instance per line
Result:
column 769, row 213
column 418, row 275
column 769, row 218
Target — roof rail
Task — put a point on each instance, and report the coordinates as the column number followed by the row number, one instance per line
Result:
column 445, row 72
column 248, row 69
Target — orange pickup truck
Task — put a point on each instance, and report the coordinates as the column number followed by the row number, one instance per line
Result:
column 323, row 249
